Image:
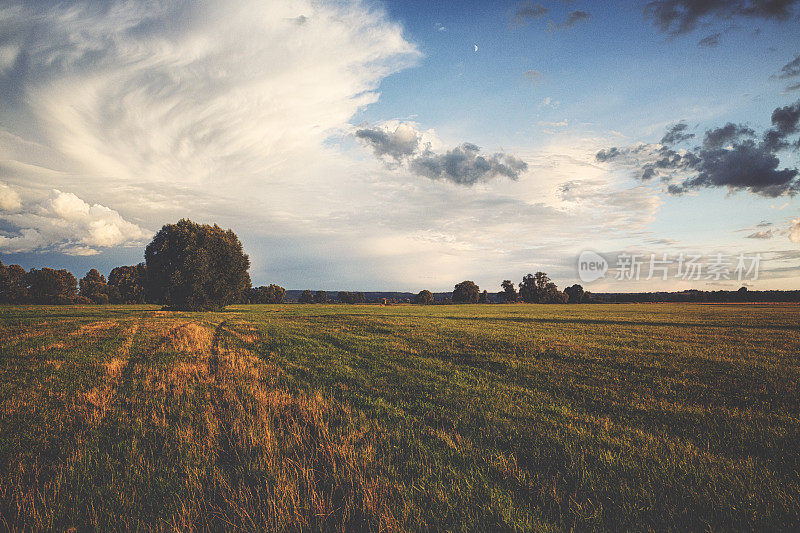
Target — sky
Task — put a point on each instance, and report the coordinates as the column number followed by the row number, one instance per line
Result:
column 409, row 145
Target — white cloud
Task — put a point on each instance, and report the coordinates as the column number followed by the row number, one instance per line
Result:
column 63, row 222
column 9, row 199
column 562, row 123
column 794, row 230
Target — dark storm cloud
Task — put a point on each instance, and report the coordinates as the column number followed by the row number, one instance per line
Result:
column 398, row 144
column 527, row 12
column 711, row 41
column 791, row 69
column 607, row 154
column 676, row 17
column 784, row 123
column 730, row 156
column 746, row 165
column 676, row 134
column 730, row 132
column 573, row 18
column 464, row 164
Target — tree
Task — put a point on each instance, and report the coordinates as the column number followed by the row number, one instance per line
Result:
column 49, row 286
column 466, row 292
column 194, row 267
column 273, row 294
column 509, row 294
column 424, row 297
column 537, row 288
column 575, row 294
column 346, row 297
column 484, row 298
column 94, row 288
column 320, row 297
column 13, row 284
column 306, row 297
column 128, row 284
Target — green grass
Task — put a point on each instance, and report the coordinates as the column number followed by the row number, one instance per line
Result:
column 494, row 417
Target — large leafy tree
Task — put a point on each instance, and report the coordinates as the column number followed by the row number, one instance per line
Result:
column 128, row 284
column 537, row 288
column 13, row 284
column 94, row 287
column 196, row 266
column 509, row 294
column 466, row 292
column 49, row 286
column 575, row 294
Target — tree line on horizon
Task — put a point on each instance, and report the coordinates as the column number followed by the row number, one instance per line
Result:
column 534, row 288
column 191, row 266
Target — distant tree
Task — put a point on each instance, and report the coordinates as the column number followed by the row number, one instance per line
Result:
column 306, row 297
column 509, row 294
column 13, row 284
column 320, row 297
column 484, row 298
column 347, row 297
column 466, row 292
column 49, row 286
column 575, row 294
column 537, row 288
column 424, row 297
column 273, row 294
column 193, row 267
column 93, row 287
column 128, row 284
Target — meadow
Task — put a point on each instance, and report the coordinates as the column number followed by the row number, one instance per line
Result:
column 473, row 417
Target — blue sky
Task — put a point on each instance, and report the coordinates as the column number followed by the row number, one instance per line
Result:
column 337, row 138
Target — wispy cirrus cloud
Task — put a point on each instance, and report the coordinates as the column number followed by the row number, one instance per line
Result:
column 791, row 71
column 171, row 109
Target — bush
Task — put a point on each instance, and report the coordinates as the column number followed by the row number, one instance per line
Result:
column 274, row 294
column 424, row 297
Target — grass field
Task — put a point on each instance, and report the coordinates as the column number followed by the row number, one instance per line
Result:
column 519, row 417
